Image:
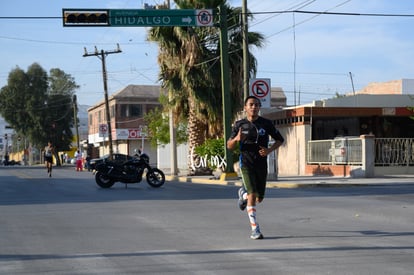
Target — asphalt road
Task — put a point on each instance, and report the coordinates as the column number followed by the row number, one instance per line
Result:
column 68, row 225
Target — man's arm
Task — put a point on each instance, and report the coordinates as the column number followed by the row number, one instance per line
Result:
column 278, row 142
column 275, row 145
column 232, row 142
column 266, row 151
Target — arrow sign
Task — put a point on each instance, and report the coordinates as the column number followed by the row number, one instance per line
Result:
column 187, row 20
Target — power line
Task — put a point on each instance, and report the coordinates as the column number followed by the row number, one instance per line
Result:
column 30, row 17
column 356, row 14
column 65, row 42
column 253, row 13
column 307, row 73
column 300, row 5
column 334, row 13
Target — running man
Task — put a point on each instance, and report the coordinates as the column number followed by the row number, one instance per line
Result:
column 252, row 135
column 49, row 158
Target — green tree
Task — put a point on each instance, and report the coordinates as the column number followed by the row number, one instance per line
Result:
column 22, row 101
column 189, row 59
column 158, row 126
column 62, row 87
column 38, row 106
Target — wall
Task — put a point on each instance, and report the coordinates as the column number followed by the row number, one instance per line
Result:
column 393, row 170
column 389, row 87
column 328, row 170
column 407, row 86
column 292, row 154
column 164, row 158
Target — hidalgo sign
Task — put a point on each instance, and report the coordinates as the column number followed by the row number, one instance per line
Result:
column 137, row 18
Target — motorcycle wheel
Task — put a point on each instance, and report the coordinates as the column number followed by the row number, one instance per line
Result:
column 103, row 181
column 155, row 177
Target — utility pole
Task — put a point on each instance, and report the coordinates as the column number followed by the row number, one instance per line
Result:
column 75, row 118
column 246, row 62
column 101, row 55
column 173, row 132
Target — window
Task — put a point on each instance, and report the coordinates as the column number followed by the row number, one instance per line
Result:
column 124, row 110
column 112, row 111
column 99, row 116
column 136, row 110
column 131, row 110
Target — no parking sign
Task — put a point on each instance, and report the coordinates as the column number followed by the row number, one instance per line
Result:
column 260, row 88
column 103, row 130
column 204, row 17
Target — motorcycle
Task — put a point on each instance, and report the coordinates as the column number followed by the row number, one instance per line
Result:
column 130, row 171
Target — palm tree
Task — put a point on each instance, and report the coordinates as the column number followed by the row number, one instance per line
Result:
column 189, row 60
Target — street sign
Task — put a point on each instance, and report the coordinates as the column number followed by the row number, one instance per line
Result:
column 137, row 18
column 260, row 88
column 103, row 130
column 152, row 18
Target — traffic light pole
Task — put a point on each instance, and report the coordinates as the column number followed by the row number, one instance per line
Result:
column 101, row 55
column 246, row 62
column 225, row 81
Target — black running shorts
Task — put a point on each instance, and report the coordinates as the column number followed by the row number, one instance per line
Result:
column 254, row 181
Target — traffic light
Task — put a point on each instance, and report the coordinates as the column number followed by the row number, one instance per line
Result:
column 85, row 17
column 5, row 136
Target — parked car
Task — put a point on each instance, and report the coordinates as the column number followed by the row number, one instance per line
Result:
column 116, row 157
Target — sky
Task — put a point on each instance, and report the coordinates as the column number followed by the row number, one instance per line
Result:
column 310, row 56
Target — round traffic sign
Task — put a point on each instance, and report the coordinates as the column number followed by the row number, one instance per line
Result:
column 260, row 88
column 103, row 128
column 204, row 18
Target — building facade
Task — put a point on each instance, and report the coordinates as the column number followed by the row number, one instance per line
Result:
column 129, row 130
column 382, row 116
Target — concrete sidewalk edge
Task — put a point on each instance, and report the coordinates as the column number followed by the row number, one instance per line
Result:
column 270, row 184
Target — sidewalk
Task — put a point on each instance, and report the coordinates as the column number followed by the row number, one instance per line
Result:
column 303, row 181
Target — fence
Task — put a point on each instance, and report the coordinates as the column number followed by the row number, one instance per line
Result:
column 394, row 152
column 388, row 151
column 335, row 151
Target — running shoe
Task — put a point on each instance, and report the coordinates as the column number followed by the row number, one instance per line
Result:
column 256, row 234
column 242, row 202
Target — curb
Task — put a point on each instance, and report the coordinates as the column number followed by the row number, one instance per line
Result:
column 203, row 180
column 238, row 182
